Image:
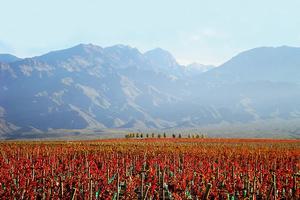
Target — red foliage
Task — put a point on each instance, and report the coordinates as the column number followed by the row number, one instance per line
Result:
column 150, row 168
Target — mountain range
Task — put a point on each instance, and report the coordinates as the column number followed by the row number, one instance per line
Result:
column 88, row 87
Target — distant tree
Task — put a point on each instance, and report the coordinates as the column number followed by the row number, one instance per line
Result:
column 129, row 135
column 165, row 135
column 179, row 136
column 153, row 135
column 189, row 136
column 173, row 135
column 147, row 135
column 141, row 135
column 137, row 135
column 158, row 135
column 197, row 136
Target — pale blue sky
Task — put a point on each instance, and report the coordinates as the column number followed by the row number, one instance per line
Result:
column 206, row 31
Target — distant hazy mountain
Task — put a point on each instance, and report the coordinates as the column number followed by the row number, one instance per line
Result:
column 196, row 68
column 162, row 60
column 265, row 63
column 90, row 87
column 8, row 58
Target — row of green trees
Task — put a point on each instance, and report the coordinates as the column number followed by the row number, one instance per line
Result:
column 163, row 135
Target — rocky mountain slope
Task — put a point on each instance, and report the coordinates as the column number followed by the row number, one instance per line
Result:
column 90, row 87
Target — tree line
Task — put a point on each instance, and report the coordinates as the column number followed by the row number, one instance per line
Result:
column 164, row 135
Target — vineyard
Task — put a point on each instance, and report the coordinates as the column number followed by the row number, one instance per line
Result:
column 166, row 168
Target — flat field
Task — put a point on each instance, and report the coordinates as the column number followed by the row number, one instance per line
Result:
column 151, row 169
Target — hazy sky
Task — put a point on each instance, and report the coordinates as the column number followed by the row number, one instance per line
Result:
column 206, row 31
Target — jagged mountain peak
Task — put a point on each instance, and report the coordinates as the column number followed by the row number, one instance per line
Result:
column 120, row 49
column 82, row 50
column 120, row 46
column 88, row 47
column 163, row 60
column 161, row 55
column 158, row 50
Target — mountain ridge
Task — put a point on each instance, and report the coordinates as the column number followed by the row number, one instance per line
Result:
column 118, row 87
column 8, row 58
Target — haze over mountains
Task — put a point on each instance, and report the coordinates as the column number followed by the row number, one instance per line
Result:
column 118, row 87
